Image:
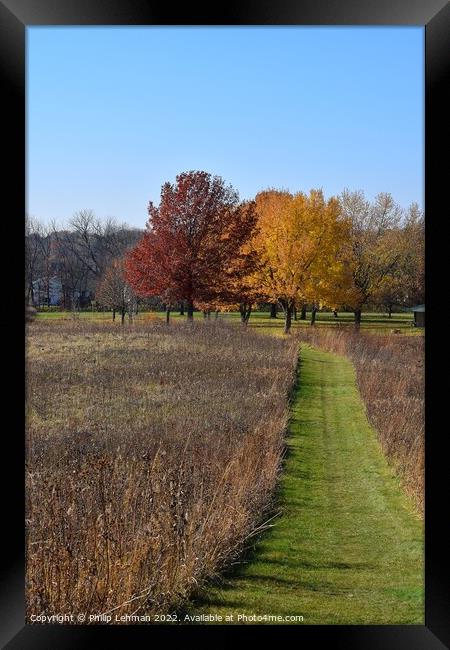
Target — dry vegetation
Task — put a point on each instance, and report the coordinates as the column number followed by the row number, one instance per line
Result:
column 390, row 374
column 152, row 454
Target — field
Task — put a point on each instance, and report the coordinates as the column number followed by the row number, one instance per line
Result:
column 156, row 457
column 371, row 322
column 152, row 454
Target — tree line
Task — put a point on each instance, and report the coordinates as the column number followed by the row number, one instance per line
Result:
column 75, row 258
column 203, row 248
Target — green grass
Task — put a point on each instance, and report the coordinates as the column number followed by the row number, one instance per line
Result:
column 68, row 315
column 378, row 322
column 347, row 548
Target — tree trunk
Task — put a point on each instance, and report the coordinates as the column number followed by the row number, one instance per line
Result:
column 167, row 315
column 245, row 314
column 287, row 319
column 114, row 315
column 273, row 310
column 313, row 315
column 390, row 311
column 357, row 317
column 217, row 315
column 182, row 308
column 205, row 313
column 335, row 314
column 303, row 312
column 190, row 310
column 122, row 316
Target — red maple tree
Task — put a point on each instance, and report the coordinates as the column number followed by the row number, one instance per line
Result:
column 193, row 248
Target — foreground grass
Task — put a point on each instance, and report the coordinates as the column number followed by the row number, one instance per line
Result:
column 152, row 453
column 348, row 548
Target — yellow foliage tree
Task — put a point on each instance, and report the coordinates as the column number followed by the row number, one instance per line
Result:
column 301, row 242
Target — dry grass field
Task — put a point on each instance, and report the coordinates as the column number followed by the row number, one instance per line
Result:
column 152, row 455
column 390, row 374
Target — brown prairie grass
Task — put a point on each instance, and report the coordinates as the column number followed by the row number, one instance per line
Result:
column 152, row 455
column 390, row 376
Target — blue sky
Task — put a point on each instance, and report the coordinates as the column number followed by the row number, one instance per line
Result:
column 112, row 113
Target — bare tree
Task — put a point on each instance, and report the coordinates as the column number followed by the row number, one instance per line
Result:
column 87, row 248
column 71, row 272
column 32, row 256
column 73, row 259
column 95, row 243
column 41, row 241
column 114, row 292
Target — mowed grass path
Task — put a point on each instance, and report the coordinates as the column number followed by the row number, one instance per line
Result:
column 347, row 548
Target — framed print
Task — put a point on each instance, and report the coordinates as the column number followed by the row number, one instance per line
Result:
column 231, row 417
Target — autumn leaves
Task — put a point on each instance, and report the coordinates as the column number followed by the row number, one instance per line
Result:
column 206, row 248
column 302, row 242
column 195, row 245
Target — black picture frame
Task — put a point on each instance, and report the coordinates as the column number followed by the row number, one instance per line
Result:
column 15, row 16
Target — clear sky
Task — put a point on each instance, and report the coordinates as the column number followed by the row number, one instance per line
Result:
column 114, row 112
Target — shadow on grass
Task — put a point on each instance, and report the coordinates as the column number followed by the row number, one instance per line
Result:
column 268, row 583
column 232, row 577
